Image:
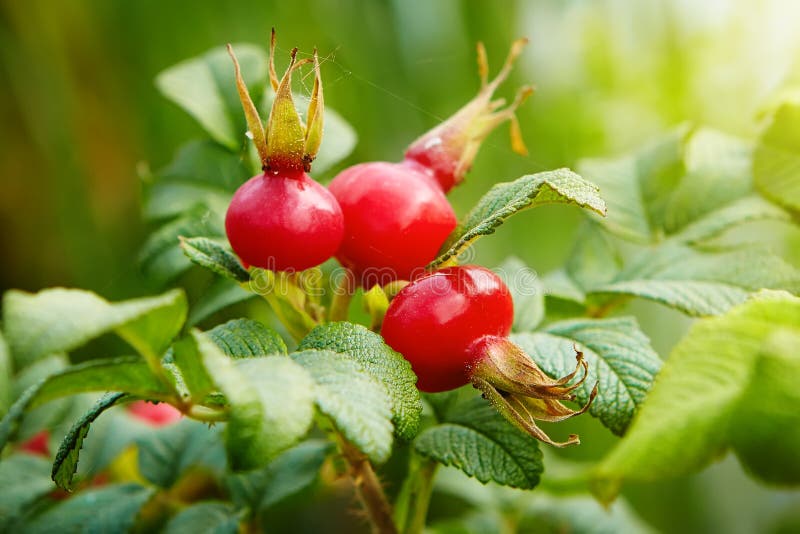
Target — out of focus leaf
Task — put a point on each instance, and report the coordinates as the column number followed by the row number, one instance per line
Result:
column 205, row 87
column 710, row 395
column 59, row 320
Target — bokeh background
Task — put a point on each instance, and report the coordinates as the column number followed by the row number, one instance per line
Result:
column 81, row 120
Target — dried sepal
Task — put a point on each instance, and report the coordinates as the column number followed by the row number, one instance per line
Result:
column 450, row 148
column 522, row 392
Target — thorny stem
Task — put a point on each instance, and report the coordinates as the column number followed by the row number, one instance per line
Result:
column 368, row 488
column 411, row 508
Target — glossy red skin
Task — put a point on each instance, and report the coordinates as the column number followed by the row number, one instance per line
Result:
column 441, row 164
column 38, row 444
column 396, row 219
column 160, row 414
column 436, row 321
column 284, row 222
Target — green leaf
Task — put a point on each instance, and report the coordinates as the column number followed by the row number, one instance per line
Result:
column 579, row 514
column 161, row 258
column 776, row 163
column 215, row 257
column 271, row 403
column 246, row 338
column 208, row 517
column 746, row 209
column 527, row 292
column 167, row 453
column 59, row 320
column 636, row 187
column 356, row 401
column 5, row 376
column 221, row 294
column 289, row 473
column 202, row 174
column 619, row 356
column 766, row 432
column 109, row 509
column 66, row 462
column 694, row 407
column 125, row 374
column 503, row 200
column 185, row 365
column 378, row 359
column 690, row 185
column 205, row 87
column 24, row 478
column 593, row 260
column 477, row 440
column 702, row 283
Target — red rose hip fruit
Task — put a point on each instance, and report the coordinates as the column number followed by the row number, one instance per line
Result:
column 284, row 221
column 435, row 321
column 451, row 325
column 154, row 414
column 396, row 219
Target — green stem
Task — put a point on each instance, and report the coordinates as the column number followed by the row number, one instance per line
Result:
column 411, row 508
column 340, row 303
column 207, row 415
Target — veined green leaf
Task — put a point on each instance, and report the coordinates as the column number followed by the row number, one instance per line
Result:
column 59, row 320
column 271, row 403
column 246, row 338
column 703, row 397
column 66, row 461
column 215, row 257
column 124, row 374
column 475, row 438
column 356, row 401
column 503, row 200
column 702, row 283
column 619, row 356
column 378, row 359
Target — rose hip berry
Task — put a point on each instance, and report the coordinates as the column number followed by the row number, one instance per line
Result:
column 282, row 220
column 451, row 325
column 435, row 321
column 394, row 221
column 397, row 208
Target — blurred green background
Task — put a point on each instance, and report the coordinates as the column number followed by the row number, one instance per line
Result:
column 81, row 119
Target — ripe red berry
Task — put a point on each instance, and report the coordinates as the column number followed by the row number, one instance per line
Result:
column 155, row 414
column 395, row 217
column 284, row 221
column 435, row 321
column 451, row 326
